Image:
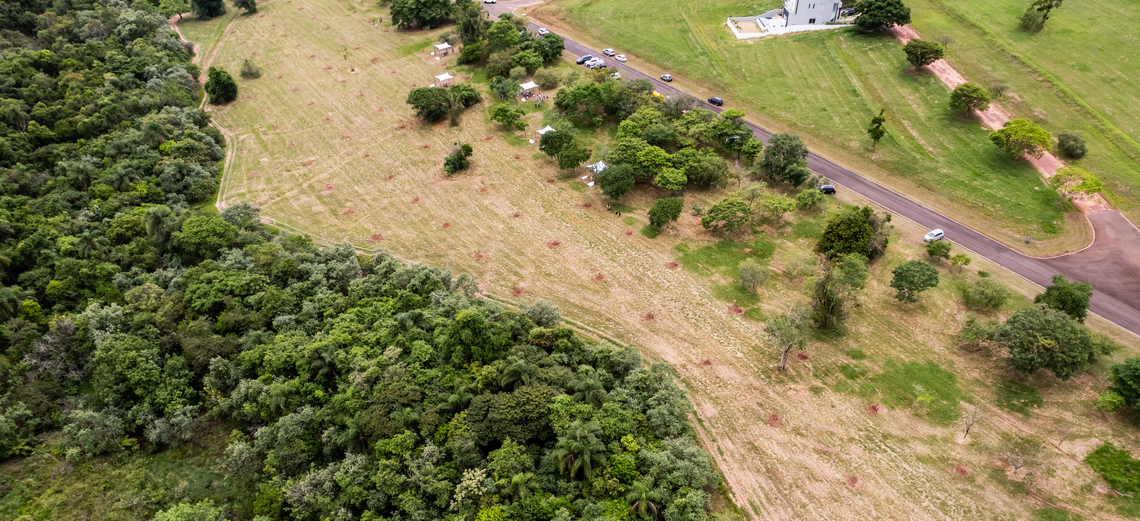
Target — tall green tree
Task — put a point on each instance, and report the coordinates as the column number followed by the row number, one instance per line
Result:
column 220, row 86
column 429, row 104
column 579, row 450
column 876, row 130
column 1126, row 380
column 787, row 331
column 783, row 153
column 471, row 21
column 728, row 215
column 248, row 5
column 665, row 211
column 503, row 34
column 878, row 15
column 1039, row 337
column 911, row 278
column 1070, row 298
column 836, row 288
column 921, row 52
column 969, row 97
column 427, row 14
column 573, row 155
column 1045, row 7
column 616, row 181
column 1021, row 137
column 643, row 498
column 207, row 9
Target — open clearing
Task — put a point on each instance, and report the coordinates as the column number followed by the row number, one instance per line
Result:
column 827, row 86
column 326, row 146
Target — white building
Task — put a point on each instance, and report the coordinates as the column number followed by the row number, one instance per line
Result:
column 810, row 12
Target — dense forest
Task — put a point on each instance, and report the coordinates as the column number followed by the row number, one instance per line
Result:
column 134, row 318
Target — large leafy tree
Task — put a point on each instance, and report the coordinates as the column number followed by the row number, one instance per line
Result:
column 921, row 52
column 204, row 236
column 1126, row 380
column 550, row 47
column 877, row 15
column 728, row 215
column 969, row 97
column 1039, row 337
column 221, row 86
column 248, row 5
column 836, row 287
column 573, row 155
column 783, row 154
column 665, row 211
column 427, row 14
column 849, row 231
column 1021, row 137
column 911, row 278
column 552, row 143
column 616, row 181
column 471, row 21
column 208, row 9
column 580, row 450
column 503, row 34
column 1069, row 297
column 429, row 104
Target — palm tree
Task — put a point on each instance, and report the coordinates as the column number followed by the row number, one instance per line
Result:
column 157, row 220
column 82, row 173
column 590, row 391
column 121, row 178
column 519, row 372
column 5, row 261
column 324, row 365
column 405, row 417
column 88, row 242
column 523, row 485
column 579, row 449
column 460, row 398
column 11, row 301
column 154, row 131
column 641, row 498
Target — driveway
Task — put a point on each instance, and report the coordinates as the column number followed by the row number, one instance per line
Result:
column 1111, row 264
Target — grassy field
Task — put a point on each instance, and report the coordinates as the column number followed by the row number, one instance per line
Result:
column 827, row 86
column 324, row 143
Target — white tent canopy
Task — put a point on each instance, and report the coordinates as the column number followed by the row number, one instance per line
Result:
column 442, row 46
column 444, row 77
column 597, row 167
column 547, row 129
column 528, row 85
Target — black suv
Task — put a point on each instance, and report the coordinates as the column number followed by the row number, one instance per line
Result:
column 584, row 59
column 716, row 101
column 827, row 189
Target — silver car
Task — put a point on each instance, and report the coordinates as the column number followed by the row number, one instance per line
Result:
column 934, row 235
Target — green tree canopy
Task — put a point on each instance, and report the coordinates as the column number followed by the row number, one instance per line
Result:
column 1021, row 137
column 1071, row 298
column 911, row 278
column 921, row 52
column 1039, row 337
column 511, row 118
column 665, row 211
column 503, row 34
column 248, row 5
column 552, row 143
column 783, row 153
column 728, row 215
column 877, row 15
column 1126, row 380
column 938, row 249
column 429, row 104
column 427, row 14
column 207, row 9
column 670, row 179
column 221, row 86
column 616, row 181
column 204, row 236
column 969, row 97
column 855, row 230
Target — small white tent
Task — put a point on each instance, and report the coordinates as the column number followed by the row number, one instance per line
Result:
column 444, row 77
column 597, row 167
column 528, row 85
column 442, row 46
column 548, row 128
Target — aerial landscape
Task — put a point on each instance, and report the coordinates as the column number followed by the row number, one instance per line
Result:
column 558, row 260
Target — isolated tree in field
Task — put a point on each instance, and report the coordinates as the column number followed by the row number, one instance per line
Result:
column 249, row 5
column 1070, row 145
column 458, row 158
column 1020, row 137
column 912, row 278
column 784, row 151
column 836, row 287
column 1071, row 298
column 429, row 104
column 728, row 215
column 1072, row 180
column 665, row 211
column 510, row 118
column 427, row 14
column 970, row 419
column 876, row 130
column 959, row 260
column 1126, row 380
column 1039, row 337
column 1045, row 7
column 921, row 52
column 207, row 9
column 787, row 332
column 968, row 97
column 249, row 70
column 616, row 181
column 875, row 15
column 552, row 143
column 220, row 86
column 752, row 274
column 572, row 155
column 938, row 250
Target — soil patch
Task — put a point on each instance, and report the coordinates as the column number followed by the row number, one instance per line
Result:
column 962, row 470
column 775, row 420
column 875, row 409
column 446, row 226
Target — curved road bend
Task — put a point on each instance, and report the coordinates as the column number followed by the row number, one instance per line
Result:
column 1111, row 264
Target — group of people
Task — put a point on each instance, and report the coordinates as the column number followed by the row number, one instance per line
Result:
column 537, row 99
column 376, row 23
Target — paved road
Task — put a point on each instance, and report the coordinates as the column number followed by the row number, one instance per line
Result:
column 1112, row 264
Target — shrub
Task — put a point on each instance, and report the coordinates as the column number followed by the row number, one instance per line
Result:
column 457, row 159
column 1070, row 145
column 1119, row 469
column 1108, row 403
column 665, row 211
column 517, row 74
column 249, row 70
column 985, row 293
column 1032, row 20
column 94, row 433
column 1126, row 380
column 542, row 313
column 752, row 274
column 938, row 250
column 547, row 78
column 809, row 198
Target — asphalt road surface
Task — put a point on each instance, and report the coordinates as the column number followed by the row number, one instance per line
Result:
column 1111, row 264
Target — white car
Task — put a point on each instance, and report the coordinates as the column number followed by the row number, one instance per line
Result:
column 616, row 75
column 620, row 57
column 488, row 1
column 542, row 31
column 608, row 52
column 934, row 235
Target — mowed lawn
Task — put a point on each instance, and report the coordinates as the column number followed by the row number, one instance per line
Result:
column 827, row 86
column 1083, row 67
